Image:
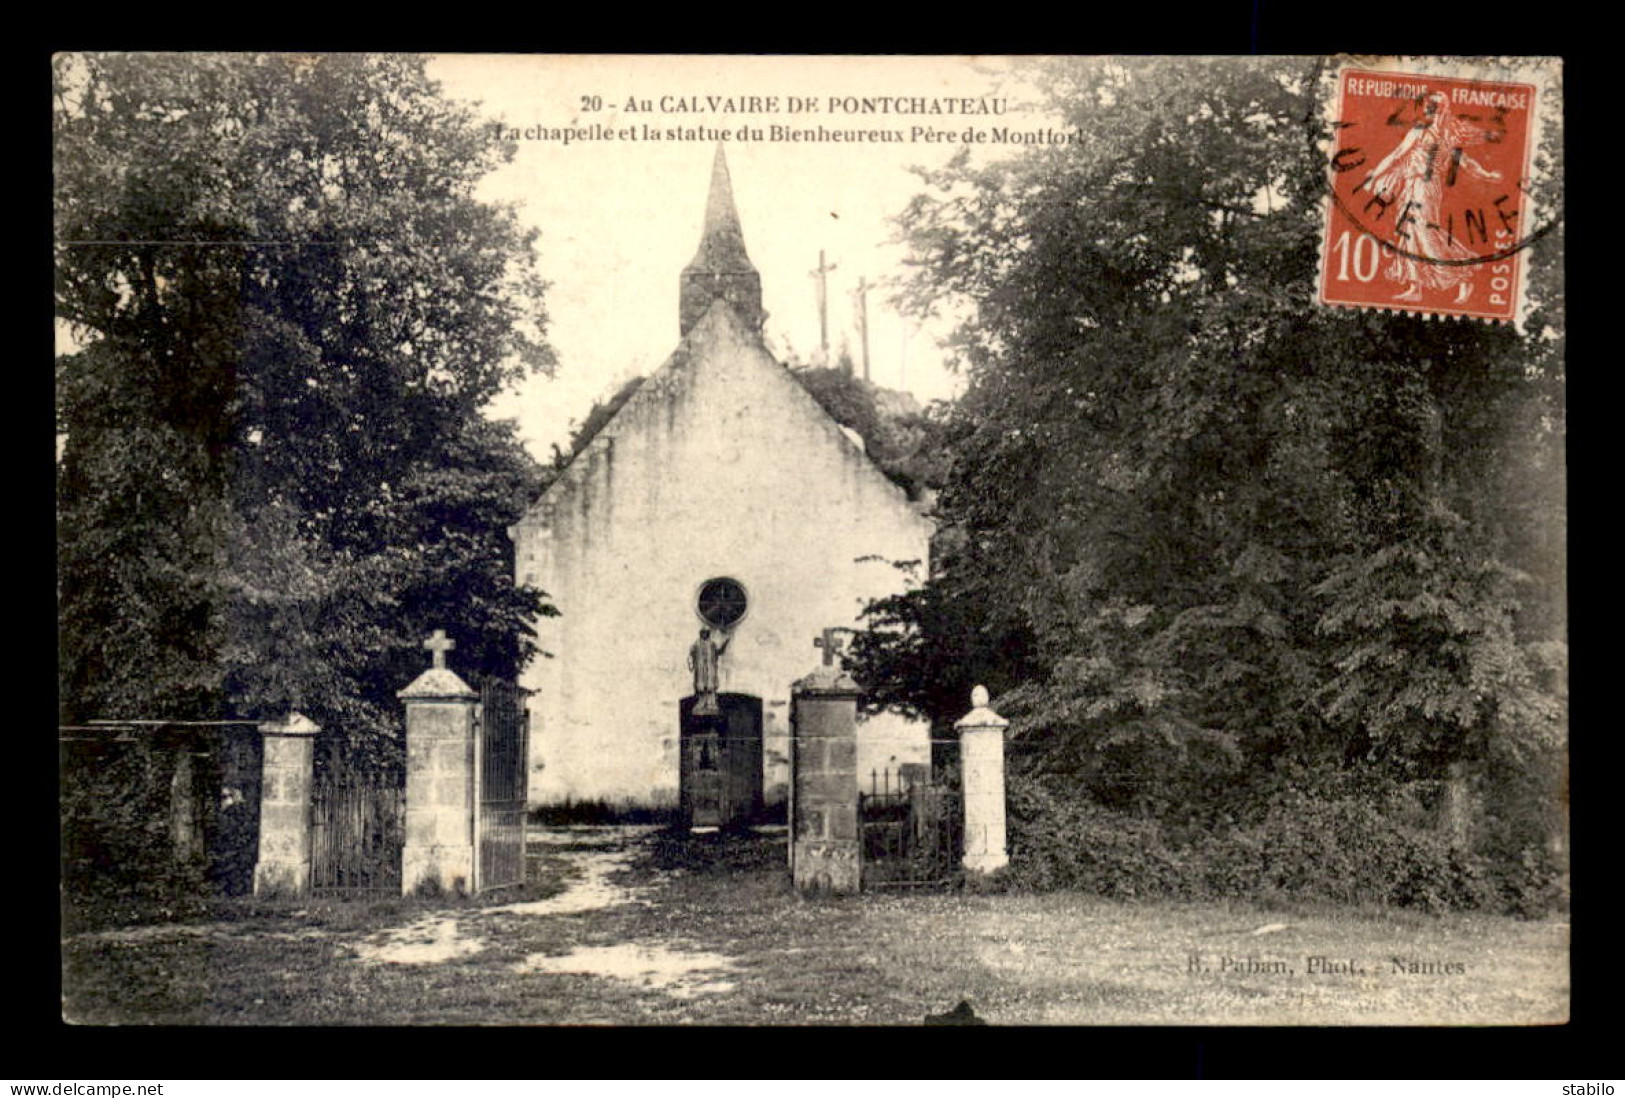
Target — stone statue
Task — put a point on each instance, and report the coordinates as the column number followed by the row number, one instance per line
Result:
column 703, row 656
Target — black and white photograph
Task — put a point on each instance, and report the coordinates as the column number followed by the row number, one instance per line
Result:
column 683, row 540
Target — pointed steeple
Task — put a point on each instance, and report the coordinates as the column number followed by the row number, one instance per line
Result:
column 721, row 267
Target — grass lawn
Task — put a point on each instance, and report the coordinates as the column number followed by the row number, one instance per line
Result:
column 643, row 928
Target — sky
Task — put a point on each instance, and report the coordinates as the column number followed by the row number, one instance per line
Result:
column 619, row 219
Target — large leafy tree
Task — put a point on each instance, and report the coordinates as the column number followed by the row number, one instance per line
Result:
column 285, row 310
column 1199, row 527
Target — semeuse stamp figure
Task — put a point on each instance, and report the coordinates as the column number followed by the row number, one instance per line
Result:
column 1430, row 207
column 1415, row 176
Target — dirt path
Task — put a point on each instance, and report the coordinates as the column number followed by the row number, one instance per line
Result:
column 595, row 854
column 595, row 862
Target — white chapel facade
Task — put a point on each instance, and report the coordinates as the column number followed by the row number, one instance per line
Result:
column 719, row 496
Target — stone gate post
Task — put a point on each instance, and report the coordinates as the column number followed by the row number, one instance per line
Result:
column 981, row 751
column 440, row 744
column 283, row 865
column 824, row 782
column 185, row 836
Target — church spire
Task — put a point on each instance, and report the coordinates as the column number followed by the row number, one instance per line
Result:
column 720, row 268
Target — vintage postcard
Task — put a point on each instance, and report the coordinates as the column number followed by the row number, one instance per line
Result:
column 776, row 540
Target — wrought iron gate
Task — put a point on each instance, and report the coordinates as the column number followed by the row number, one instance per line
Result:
column 499, row 786
column 910, row 831
column 358, row 827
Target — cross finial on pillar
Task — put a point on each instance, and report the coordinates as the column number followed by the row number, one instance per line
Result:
column 439, row 644
column 830, row 643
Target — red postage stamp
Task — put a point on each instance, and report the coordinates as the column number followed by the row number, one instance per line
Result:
column 1429, row 210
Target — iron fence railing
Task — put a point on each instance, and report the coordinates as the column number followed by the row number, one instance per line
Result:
column 357, row 832
column 910, row 831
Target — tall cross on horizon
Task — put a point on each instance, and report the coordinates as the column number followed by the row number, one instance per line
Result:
column 821, row 273
column 439, row 644
column 862, row 294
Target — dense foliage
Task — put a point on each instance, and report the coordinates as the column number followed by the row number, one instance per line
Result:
column 122, row 858
column 1208, row 542
column 906, row 443
column 284, row 312
column 596, row 419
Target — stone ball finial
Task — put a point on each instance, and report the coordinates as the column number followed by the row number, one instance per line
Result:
column 980, row 715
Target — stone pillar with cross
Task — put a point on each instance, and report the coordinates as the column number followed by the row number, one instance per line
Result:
column 981, row 753
column 824, row 776
column 440, row 744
